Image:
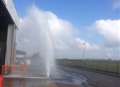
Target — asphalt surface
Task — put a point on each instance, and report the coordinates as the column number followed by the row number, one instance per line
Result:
column 66, row 77
column 60, row 77
column 96, row 79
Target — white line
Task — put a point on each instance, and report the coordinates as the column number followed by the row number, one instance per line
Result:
column 24, row 77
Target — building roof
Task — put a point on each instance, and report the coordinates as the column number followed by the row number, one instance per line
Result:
column 20, row 52
column 5, row 17
column 9, row 5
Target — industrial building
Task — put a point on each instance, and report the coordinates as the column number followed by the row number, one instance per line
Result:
column 8, row 24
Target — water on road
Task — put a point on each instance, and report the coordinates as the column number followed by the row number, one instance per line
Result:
column 59, row 78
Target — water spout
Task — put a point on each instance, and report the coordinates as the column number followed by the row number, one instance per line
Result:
column 36, row 40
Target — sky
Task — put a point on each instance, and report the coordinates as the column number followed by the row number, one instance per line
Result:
column 79, row 28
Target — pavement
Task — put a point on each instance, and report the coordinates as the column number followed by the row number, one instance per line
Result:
column 97, row 79
column 58, row 78
column 36, row 83
column 64, row 77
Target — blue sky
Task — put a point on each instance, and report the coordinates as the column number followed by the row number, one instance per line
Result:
column 79, row 12
column 97, row 23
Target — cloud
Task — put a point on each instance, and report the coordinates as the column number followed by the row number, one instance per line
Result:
column 64, row 35
column 34, row 28
column 82, row 44
column 38, row 20
column 110, row 31
column 116, row 4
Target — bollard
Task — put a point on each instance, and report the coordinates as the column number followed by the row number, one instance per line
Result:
column 1, row 81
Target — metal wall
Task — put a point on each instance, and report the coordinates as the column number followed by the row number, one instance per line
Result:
column 7, row 35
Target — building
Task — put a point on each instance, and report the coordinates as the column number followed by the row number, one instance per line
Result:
column 8, row 25
column 20, row 57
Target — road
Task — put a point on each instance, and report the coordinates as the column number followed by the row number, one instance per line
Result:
column 96, row 79
column 66, row 77
column 59, row 78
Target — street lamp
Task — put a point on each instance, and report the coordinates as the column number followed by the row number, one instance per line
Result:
column 84, row 49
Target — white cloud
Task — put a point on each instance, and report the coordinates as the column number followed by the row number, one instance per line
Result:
column 32, row 35
column 82, row 44
column 110, row 30
column 37, row 22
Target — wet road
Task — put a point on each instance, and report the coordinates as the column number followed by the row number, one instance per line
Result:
column 97, row 79
column 59, row 78
column 66, row 77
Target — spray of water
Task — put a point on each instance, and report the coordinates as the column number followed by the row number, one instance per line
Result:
column 35, row 38
column 50, row 63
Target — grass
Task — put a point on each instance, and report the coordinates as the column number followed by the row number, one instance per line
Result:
column 110, row 66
